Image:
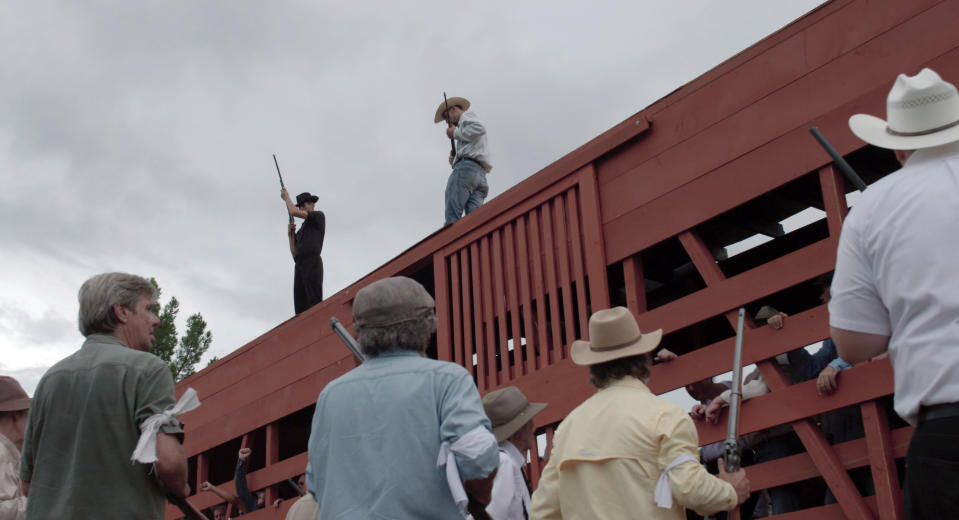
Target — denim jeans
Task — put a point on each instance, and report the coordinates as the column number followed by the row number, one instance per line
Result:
column 465, row 190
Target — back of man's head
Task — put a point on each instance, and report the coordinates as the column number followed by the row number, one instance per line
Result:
column 393, row 314
column 99, row 294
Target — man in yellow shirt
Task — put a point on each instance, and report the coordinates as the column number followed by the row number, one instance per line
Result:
column 625, row 453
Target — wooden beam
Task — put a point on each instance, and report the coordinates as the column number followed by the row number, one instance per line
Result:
column 441, row 281
column 594, row 238
column 882, row 460
column 834, row 198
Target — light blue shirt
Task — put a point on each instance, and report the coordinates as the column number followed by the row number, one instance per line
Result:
column 377, row 432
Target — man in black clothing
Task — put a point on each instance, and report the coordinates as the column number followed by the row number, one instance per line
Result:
column 306, row 246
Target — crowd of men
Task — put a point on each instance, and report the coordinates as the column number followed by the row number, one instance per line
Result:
column 408, row 437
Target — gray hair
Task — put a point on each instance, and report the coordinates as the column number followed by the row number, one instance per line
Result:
column 99, row 294
column 412, row 334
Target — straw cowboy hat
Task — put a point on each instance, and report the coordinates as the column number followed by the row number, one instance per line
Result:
column 613, row 334
column 453, row 101
column 923, row 112
column 508, row 410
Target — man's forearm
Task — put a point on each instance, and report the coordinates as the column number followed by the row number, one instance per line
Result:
column 171, row 465
column 481, row 489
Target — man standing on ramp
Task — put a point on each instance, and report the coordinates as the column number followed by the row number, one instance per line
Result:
column 467, row 187
column 306, row 246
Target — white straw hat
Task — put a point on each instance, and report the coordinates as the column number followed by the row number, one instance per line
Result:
column 923, row 111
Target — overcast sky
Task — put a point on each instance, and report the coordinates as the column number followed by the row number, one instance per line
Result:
column 137, row 136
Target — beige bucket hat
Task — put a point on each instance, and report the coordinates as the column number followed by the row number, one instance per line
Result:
column 12, row 396
column 508, row 410
column 922, row 112
column 453, row 101
column 613, row 334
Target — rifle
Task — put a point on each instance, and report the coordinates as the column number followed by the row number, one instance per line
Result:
column 448, row 124
column 296, row 487
column 344, row 335
column 281, row 185
column 844, row 167
column 188, row 509
column 731, row 455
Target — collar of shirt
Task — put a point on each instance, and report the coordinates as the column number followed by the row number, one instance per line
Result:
column 9, row 446
column 513, row 453
column 398, row 353
column 930, row 154
column 101, row 337
column 630, row 382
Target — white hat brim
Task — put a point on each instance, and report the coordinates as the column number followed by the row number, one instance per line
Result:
column 582, row 354
column 873, row 130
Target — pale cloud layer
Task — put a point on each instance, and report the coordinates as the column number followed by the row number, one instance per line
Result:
column 137, row 136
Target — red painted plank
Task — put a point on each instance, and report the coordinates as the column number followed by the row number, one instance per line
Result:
column 576, row 252
column 488, row 347
column 512, row 294
column 562, row 255
column 466, row 305
column 456, row 303
column 593, row 239
column 482, row 363
column 834, row 198
column 442, row 297
column 540, row 348
column 528, row 326
column 551, row 281
column 635, row 285
column 499, row 307
column 882, row 459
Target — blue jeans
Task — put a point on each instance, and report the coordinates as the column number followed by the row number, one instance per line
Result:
column 465, row 190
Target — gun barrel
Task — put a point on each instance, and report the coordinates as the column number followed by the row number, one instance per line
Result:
column 452, row 143
column 844, row 166
column 344, row 335
column 731, row 445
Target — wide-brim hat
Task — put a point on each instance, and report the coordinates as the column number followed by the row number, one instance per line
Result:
column 922, row 112
column 453, row 101
column 613, row 334
column 305, row 197
column 391, row 301
column 12, row 396
column 508, row 410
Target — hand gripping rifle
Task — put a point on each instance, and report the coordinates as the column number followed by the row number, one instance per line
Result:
column 281, row 184
column 731, row 455
column 844, row 167
column 185, row 507
column 448, row 124
column 344, row 335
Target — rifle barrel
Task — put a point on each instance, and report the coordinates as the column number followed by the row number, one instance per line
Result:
column 844, row 166
column 731, row 445
column 288, row 214
column 344, row 335
column 452, row 143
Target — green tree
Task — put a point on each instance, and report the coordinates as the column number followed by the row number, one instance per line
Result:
column 183, row 353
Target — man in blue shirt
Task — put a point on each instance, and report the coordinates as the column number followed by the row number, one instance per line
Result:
column 401, row 435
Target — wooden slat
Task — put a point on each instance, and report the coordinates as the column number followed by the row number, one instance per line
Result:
column 499, row 307
column 272, row 456
column 882, row 459
column 701, row 257
column 556, row 345
column 529, row 326
column 488, row 346
column 834, row 198
column 479, row 342
column 456, row 302
column 512, row 294
column 562, row 255
column 442, row 298
column 467, row 305
column 576, row 251
column 635, row 284
column 594, row 241
column 541, row 347
column 820, row 450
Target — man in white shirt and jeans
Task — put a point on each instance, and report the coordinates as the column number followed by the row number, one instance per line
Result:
column 511, row 415
column 466, row 188
column 896, row 285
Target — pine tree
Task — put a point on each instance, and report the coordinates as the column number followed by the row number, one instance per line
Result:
column 182, row 355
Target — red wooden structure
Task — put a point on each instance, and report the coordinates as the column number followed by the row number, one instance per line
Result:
column 643, row 216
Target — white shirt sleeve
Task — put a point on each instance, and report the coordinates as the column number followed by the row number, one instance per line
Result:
column 855, row 304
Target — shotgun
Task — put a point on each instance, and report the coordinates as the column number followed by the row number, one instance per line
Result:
column 281, row 184
column 731, row 455
column 844, row 167
column 448, row 124
column 344, row 335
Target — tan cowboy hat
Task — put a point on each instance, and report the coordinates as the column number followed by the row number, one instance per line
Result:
column 923, row 112
column 453, row 101
column 12, row 396
column 613, row 334
column 508, row 410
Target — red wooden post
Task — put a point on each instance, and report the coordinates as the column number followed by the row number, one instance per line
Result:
column 541, row 346
column 882, row 461
column 466, row 305
column 456, row 303
column 512, row 301
column 562, row 257
column 529, row 326
column 549, row 258
column 442, row 297
column 499, row 308
column 594, row 241
column 272, row 457
column 576, row 251
column 833, row 198
column 635, row 284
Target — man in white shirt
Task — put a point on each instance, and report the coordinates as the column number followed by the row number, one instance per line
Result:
column 511, row 415
column 896, row 285
column 466, row 188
